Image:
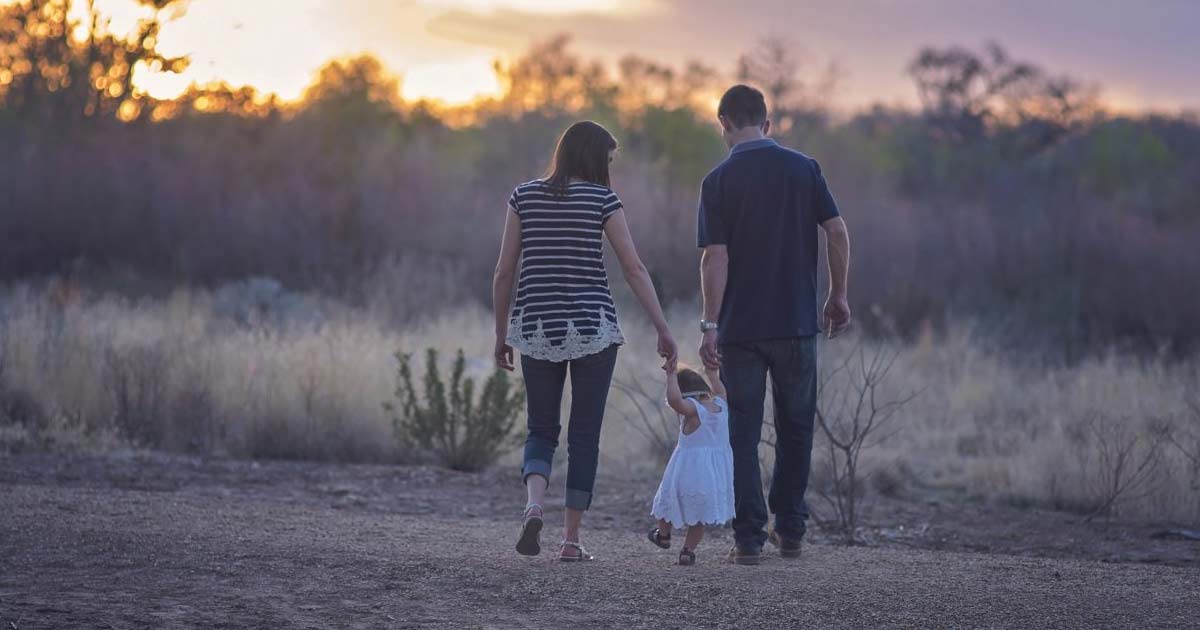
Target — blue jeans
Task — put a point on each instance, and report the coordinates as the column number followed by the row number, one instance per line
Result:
column 544, row 381
column 792, row 366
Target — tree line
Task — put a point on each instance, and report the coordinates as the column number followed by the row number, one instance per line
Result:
column 1009, row 198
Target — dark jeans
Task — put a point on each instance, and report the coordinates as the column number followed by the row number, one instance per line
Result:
column 792, row 365
column 544, row 380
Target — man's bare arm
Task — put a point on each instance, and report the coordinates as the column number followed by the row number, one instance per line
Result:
column 714, row 274
column 836, row 316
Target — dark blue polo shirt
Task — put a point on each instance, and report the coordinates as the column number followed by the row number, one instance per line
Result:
column 765, row 202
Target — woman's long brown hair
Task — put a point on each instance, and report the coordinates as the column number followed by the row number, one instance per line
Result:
column 582, row 153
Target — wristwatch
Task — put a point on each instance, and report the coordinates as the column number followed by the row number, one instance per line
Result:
column 706, row 325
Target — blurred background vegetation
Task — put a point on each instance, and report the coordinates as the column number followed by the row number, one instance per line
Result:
column 225, row 272
column 1010, row 199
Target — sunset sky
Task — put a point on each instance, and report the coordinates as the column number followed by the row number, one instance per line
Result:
column 1142, row 54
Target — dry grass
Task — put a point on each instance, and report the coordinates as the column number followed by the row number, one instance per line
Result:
column 306, row 378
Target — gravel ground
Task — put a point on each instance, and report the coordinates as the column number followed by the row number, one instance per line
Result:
column 154, row 541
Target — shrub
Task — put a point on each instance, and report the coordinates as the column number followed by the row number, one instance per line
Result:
column 1120, row 460
column 449, row 424
column 1186, row 439
column 851, row 411
column 648, row 416
column 891, row 480
column 137, row 382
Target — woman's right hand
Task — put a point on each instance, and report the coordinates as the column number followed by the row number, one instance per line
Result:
column 504, row 355
column 668, row 350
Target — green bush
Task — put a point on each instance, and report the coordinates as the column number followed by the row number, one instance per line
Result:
column 461, row 433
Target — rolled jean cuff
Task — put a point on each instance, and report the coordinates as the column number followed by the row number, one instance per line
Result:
column 535, row 467
column 578, row 499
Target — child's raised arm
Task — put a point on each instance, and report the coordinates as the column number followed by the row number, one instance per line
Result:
column 714, row 381
column 691, row 418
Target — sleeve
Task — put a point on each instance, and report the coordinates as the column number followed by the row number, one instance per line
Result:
column 514, row 201
column 699, row 417
column 710, row 222
column 612, row 203
column 826, row 207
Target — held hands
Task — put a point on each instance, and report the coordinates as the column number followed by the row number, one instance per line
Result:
column 836, row 317
column 668, row 351
column 710, row 351
column 671, row 368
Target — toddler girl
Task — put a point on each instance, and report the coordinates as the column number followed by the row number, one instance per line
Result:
column 697, row 486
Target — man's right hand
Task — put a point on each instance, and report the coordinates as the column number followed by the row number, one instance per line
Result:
column 710, row 352
column 836, row 316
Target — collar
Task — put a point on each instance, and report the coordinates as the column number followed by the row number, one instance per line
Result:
column 751, row 145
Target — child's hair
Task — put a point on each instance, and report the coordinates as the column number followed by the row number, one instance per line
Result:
column 691, row 382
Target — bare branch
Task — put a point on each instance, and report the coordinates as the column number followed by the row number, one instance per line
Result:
column 849, row 415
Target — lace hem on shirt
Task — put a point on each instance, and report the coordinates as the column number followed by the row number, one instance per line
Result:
column 574, row 345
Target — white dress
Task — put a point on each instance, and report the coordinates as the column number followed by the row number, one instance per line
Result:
column 697, row 486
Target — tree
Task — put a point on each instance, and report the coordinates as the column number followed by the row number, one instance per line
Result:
column 774, row 68
column 357, row 84
column 219, row 98
column 644, row 82
column 697, row 87
column 551, row 79
column 966, row 94
column 57, row 70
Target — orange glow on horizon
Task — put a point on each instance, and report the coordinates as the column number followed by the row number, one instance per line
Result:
column 259, row 48
column 444, row 51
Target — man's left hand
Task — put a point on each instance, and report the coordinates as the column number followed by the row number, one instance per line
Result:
column 836, row 316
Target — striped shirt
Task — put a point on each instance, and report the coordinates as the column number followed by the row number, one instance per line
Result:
column 564, row 309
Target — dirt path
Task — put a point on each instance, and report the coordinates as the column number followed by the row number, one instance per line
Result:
column 163, row 542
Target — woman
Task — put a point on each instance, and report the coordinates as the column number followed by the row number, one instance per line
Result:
column 563, row 320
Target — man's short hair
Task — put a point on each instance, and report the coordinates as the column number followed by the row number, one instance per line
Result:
column 743, row 106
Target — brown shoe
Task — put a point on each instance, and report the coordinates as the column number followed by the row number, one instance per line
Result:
column 788, row 548
column 738, row 555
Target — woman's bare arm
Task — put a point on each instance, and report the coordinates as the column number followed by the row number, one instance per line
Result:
column 502, row 286
column 617, row 231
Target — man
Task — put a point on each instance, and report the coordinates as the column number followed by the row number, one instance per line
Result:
column 758, row 218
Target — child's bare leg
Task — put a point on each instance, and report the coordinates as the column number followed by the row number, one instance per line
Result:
column 695, row 533
column 664, row 529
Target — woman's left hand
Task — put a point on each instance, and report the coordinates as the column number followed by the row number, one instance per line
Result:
column 668, row 350
column 504, row 355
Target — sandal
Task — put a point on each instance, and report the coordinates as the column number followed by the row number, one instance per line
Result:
column 687, row 557
column 529, row 543
column 660, row 541
column 583, row 556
